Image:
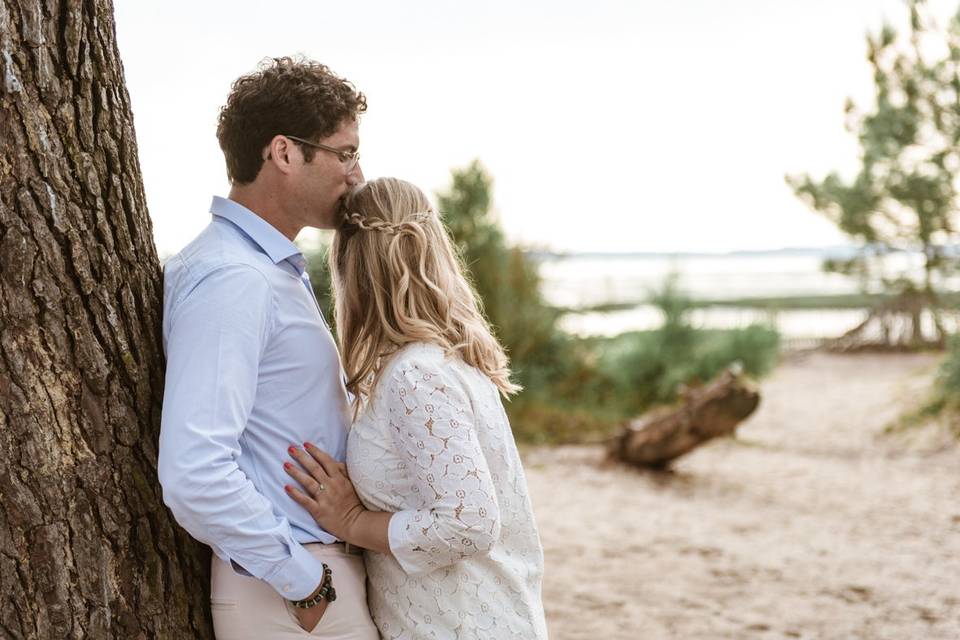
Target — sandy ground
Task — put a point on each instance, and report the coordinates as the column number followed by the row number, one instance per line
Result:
column 810, row 524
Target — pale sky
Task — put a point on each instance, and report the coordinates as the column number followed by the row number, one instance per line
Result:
column 607, row 125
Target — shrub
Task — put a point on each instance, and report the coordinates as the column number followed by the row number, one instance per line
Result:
column 647, row 368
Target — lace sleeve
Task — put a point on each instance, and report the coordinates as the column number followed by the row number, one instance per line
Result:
column 433, row 429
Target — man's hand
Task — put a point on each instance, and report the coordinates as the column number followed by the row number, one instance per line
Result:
column 310, row 618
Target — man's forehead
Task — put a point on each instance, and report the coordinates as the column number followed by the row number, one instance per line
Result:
column 347, row 133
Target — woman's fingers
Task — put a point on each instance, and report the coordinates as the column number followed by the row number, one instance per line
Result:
column 320, row 456
column 300, row 498
column 307, row 481
column 330, row 497
column 308, row 462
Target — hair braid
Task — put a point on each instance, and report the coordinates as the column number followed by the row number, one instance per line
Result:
column 410, row 225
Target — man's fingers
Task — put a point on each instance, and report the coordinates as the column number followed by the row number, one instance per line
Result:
column 306, row 481
column 329, row 464
column 308, row 463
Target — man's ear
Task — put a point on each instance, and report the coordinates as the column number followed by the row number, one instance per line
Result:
column 279, row 152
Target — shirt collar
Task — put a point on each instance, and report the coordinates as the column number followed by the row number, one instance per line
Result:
column 272, row 242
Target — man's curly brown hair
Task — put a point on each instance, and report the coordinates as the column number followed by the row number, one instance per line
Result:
column 285, row 96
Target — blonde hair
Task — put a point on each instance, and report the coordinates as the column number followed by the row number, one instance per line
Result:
column 397, row 280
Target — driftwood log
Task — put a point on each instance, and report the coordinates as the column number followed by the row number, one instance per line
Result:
column 706, row 412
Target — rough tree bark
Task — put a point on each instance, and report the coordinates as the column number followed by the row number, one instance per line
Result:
column 87, row 549
column 707, row 412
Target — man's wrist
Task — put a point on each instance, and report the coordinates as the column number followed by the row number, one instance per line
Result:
column 313, row 594
column 324, row 591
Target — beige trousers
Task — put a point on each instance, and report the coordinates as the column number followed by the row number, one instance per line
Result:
column 246, row 608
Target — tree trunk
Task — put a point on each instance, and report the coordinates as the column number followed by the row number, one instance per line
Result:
column 87, row 548
column 708, row 412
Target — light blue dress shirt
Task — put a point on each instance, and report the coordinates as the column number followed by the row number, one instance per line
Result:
column 251, row 369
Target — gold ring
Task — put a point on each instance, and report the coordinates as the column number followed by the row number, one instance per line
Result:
column 321, row 487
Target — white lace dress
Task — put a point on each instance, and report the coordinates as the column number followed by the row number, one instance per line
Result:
column 435, row 447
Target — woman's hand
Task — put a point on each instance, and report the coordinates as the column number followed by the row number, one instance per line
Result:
column 327, row 495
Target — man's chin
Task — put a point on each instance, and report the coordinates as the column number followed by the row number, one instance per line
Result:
column 339, row 213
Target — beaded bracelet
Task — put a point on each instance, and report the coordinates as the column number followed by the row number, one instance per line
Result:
column 325, row 592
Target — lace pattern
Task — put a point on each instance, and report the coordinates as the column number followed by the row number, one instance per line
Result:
column 435, row 447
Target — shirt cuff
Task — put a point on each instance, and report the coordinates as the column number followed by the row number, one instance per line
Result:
column 411, row 556
column 298, row 576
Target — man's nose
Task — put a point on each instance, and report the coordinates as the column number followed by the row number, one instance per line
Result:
column 355, row 176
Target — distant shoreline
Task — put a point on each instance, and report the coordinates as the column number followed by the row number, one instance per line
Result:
column 774, row 303
column 835, row 252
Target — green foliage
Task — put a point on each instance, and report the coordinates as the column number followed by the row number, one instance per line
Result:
column 506, row 280
column 904, row 196
column 943, row 403
column 320, row 279
column 948, row 378
column 562, row 387
column 648, row 368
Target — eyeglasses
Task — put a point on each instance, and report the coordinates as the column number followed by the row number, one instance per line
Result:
column 349, row 159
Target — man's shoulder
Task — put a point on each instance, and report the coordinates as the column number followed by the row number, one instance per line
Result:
column 220, row 256
column 218, row 247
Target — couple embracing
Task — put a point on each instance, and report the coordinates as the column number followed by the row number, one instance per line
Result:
column 370, row 492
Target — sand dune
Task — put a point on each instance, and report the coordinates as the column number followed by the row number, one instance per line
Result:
column 810, row 524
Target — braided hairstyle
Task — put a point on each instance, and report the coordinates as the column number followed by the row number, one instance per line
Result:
column 408, row 225
column 397, row 279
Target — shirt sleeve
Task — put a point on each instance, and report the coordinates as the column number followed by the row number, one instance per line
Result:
column 215, row 339
column 433, row 428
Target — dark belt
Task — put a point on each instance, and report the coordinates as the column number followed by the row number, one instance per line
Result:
column 347, row 548
column 352, row 549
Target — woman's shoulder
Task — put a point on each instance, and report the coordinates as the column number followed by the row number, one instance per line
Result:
column 411, row 369
column 425, row 361
column 424, row 356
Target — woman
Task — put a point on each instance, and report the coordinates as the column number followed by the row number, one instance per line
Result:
column 452, row 547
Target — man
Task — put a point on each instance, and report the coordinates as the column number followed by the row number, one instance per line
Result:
column 252, row 368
